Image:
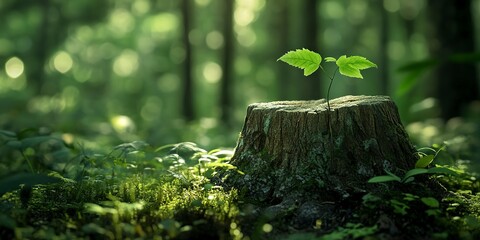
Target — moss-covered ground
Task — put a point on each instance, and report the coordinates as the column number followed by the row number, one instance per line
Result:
column 54, row 190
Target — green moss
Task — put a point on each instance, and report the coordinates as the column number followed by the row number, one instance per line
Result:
column 266, row 124
column 371, row 142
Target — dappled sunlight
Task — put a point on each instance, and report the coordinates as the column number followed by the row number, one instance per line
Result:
column 245, row 36
column 122, row 124
column 62, row 62
column 212, row 72
column 82, row 74
column 160, row 24
column 245, row 11
column 141, row 7
column 214, row 40
column 83, row 34
column 332, row 9
column 46, row 104
column 121, row 22
column 14, row 67
column 126, row 63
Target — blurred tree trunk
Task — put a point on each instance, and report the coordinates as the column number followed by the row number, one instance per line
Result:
column 188, row 108
column 282, row 29
column 384, row 61
column 313, row 86
column 36, row 77
column 226, row 83
column 457, row 83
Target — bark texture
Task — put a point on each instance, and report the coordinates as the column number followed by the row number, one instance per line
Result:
column 287, row 150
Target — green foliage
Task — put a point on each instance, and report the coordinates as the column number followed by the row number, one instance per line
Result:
column 424, row 161
column 409, row 175
column 415, row 69
column 351, row 66
column 133, row 191
column 351, row 230
column 420, row 168
column 10, row 183
column 304, row 59
column 175, row 192
column 310, row 61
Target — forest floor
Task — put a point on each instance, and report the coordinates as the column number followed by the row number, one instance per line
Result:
column 53, row 190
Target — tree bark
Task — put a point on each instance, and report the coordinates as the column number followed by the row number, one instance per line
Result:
column 287, row 150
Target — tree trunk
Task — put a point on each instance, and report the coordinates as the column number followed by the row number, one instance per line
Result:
column 457, row 82
column 188, row 106
column 384, row 61
column 287, row 150
column 228, row 51
column 313, row 87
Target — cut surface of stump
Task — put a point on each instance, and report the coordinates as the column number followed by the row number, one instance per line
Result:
column 288, row 149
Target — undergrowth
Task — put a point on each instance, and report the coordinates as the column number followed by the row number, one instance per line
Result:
column 53, row 190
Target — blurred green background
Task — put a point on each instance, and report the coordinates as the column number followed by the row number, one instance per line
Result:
column 167, row 71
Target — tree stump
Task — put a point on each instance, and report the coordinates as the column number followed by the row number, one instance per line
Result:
column 287, row 149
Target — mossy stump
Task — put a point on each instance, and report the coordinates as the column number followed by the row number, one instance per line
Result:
column 288, row 150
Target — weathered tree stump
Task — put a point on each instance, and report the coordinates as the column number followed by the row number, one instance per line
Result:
column 287, row 149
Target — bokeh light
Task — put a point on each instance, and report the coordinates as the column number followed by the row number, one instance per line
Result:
column 14, row 67
column 62, row 62
column 126, row 63
column 214, row 40
column 212, row 72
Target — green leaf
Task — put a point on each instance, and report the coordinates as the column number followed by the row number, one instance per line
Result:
column 413, row 172
column 381, row 179
column 304, row 59
column 330, row 59
column 424, row 161
column 414, row 70
column 397, row 178
column 442, row 170
column 351, row 66
column 430, row 201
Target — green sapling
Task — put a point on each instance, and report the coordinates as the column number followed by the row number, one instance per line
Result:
column 310, row 62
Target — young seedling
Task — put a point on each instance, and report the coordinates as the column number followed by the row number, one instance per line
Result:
column 311, row 61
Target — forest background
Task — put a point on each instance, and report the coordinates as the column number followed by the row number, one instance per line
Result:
column 170, row 71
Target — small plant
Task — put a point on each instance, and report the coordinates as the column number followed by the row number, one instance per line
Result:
column 420, row 168
column 310, row 62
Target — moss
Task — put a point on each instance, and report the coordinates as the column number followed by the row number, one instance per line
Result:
column 369, row 143
column 266, row 123
column 339, row 141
